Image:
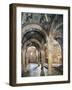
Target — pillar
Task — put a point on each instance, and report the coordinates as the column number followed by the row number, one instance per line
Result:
column 24, row 63
column 49, row 63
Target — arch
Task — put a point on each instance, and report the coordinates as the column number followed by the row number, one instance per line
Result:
column 33, row 27
column 25, row 30
column 32, row 54
column 30, row 41
column 24, row 49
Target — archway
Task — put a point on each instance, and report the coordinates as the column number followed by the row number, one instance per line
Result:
column 33, row 37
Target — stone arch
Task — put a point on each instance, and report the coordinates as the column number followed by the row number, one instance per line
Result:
column 32, row 40
column 25, row 30
column 34, row 27
column 24, row 60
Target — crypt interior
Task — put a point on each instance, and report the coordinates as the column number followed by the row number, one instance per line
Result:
column 41, row 44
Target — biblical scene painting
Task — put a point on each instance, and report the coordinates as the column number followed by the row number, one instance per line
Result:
column 41, row 44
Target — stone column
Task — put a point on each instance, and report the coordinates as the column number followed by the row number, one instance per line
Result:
column 24, row 61
column 42, row 57
column 42, row 62
column 38, row 57
column 49, row 55
column 27, row 57
column 49, row 63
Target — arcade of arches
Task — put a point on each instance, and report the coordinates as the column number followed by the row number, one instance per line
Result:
column 41, row 53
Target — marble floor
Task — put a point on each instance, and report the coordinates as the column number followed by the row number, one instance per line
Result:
column 34, row 70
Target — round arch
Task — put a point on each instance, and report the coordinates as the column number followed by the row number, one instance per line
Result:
column 34, row 27
column 32, row 41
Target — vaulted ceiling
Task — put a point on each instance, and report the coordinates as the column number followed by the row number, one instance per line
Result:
column 51, row 23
